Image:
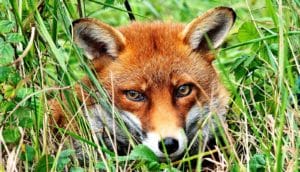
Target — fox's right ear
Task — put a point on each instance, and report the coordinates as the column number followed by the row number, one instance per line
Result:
column 97, row 39
column 209, row 30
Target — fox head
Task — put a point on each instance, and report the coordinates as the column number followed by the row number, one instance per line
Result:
column 161, row 76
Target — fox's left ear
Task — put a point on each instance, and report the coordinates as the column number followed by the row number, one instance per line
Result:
column 97, row 39
column 209, row 30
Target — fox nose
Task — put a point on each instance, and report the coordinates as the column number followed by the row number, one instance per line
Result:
column 170, row 144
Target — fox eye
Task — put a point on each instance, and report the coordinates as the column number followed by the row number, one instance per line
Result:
column 134, row 96
column 183, row 90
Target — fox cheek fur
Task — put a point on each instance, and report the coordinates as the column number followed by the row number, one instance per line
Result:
column 157, row 61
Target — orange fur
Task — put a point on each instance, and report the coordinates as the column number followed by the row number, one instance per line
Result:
column 155, row 59
column 148, row 59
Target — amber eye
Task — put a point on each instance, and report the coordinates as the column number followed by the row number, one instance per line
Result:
column 183, row 90
column 134, row 96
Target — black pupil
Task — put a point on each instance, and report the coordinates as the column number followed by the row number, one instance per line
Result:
column 133, row 94
column 183, row 90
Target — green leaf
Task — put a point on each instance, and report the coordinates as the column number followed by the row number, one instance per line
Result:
column 62, row 163
column 44, row 164
column 247, row 32
column 26, row 122
column 28, row 154
column 100, row 165
column 23, row 92
column 142, row 152
column 14, row 37
column 110, row 2
column 14, row 78
column 121, row 1
column 154, row 166
column 66, row 153
column 257, row 163
column 4, row 73
column 239, row 61
column 6, row 106
column 248, row 61
column 9, row 92
column 76, row 169
column 6, row 26
column 23, row 114
column 64, row 159
column 274, row 48
column 234, row 168
column 11, row 135
column 271, row 11
column 6, row 54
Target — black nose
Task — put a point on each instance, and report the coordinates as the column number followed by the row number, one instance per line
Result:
column 169, row 143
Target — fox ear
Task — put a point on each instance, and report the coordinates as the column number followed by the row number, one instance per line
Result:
column 97, row 38
column 210, row 29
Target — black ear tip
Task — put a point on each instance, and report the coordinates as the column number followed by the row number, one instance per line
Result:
column 76, row 22
column 82, row 20
column 73, row 24
column 229, row 10
column 233, row 14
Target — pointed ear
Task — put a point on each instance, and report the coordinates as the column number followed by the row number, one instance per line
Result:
column 210, row 29
column 97, row 39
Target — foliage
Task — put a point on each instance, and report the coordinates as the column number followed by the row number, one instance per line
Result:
column 259, row 64
column 12, row 86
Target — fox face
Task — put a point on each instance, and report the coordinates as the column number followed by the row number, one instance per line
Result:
column 160, row 78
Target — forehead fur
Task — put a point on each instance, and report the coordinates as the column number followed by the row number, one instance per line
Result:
column 155, row 53
column 152, row 38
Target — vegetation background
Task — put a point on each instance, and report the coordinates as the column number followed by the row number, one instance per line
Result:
column 259, row 64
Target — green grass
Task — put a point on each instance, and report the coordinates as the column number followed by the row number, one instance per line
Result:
column 259, row 64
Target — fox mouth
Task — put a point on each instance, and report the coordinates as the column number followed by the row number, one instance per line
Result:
column 172, row 145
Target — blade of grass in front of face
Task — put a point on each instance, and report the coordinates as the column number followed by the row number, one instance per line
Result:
column 283, row 97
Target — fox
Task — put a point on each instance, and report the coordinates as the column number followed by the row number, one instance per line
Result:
column 160, row 78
